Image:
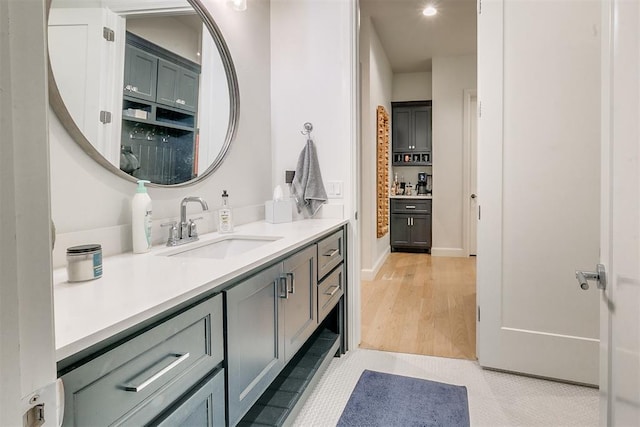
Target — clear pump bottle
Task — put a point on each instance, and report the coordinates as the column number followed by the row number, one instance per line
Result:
column 225, row 218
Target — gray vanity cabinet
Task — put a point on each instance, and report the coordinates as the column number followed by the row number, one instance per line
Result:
column 300, row 309
column 177, row 86
column 255, row 348
column 134, row 382
column 204, row 407
column 269, row 317
column 140, row 74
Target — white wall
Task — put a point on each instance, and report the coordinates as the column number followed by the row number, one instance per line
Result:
column 311, row 82
column 377, row 77
column 412, row 86
column 169, row 32
column 451, row 76
column 86, row 197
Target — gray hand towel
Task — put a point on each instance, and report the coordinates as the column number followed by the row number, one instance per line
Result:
column 307, row 187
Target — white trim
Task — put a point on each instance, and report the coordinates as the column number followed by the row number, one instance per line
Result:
column 449, row 252
column 353, row 293
column 469, row 94
column 371, row 273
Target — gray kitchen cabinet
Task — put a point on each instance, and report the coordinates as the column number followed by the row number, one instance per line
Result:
column 300, row 309
column 255, row 348
column 140, row 73
column 177, row 87
column 411, row 224
column 132, row 383
column 204, row 407
column 411, row 133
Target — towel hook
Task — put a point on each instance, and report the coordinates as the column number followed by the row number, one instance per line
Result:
column 308, row 127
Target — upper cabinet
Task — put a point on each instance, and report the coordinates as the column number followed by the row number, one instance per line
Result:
column 140, row 74
column 177, row 86
column 411, row 133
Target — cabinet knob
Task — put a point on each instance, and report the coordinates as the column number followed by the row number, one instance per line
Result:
column 474, row 195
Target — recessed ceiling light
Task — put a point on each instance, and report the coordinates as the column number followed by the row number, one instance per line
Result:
column 429, row 11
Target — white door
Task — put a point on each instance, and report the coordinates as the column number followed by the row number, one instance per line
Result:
column 620, row 231
column 88, row 71
column 538, row 181
column 473, row 176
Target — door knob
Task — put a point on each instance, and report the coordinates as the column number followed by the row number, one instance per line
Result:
column 600, row 276
column 474, row 195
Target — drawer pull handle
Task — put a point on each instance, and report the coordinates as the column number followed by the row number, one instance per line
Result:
column 292, row 278
column 335, row 289
column 332, row 253
column 409, row 207
column 137, row 388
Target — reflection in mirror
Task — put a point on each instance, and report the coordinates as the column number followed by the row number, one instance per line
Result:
column 147, row 87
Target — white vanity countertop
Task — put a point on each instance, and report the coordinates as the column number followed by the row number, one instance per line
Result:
column 136, row 287
column 412, row 197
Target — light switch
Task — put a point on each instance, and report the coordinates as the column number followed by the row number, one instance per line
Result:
column 334, row 189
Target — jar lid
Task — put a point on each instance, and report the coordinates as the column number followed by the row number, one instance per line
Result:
column 81, row 249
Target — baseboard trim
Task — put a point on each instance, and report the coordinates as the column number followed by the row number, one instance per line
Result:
column 370, row 273
column 448, row 252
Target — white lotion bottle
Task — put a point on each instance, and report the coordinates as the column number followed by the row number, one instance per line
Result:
column 141, row 219
column 225, row 219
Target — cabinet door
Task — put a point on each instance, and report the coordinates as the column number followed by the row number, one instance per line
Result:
column 141, row 72
column 421, row 117
column 255, row 348
column 168, row 76
column 401, row 129
column 421, row 231
column 400, row 230
column 204, row 407
column 300, row 313
column 187, row 90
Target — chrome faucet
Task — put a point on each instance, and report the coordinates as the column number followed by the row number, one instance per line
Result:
column 186, row 231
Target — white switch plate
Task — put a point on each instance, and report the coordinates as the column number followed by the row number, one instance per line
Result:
column 334, row 189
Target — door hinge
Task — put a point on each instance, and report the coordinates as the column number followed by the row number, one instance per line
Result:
column 108, row 34
column 479, row 7
column 479, row 210
column 105, row 117
column 478, row 313
column 479, row 108
column 34, row 417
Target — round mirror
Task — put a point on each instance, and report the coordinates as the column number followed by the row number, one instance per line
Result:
column 146, row 87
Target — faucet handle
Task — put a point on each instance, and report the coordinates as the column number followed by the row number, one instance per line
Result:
column 173, row 232
column 193, row 231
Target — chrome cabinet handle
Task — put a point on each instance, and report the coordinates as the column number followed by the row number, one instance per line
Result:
column 292, row 277
column 284, row 291
column 331, row 253
column 408, row 222
column 409, row 207
column 335, row 289
column 138, row 388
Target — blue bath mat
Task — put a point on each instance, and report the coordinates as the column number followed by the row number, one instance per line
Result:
column 388, row 400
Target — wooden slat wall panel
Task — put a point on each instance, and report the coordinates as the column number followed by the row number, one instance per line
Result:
column 382, row 186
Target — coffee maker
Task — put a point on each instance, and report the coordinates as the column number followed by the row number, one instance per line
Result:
column 423, row 187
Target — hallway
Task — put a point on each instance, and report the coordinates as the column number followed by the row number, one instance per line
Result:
column 420, row 304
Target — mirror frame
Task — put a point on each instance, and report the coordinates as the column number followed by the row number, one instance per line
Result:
column 57, row 104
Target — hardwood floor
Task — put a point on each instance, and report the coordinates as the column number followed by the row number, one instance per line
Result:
column 421, row 305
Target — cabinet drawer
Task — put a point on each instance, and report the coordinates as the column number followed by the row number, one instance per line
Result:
column 134, row 382
column 329, row 292
column 411, row 206
column 330, row 253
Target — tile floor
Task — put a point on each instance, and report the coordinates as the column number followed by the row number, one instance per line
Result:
column 495, row 398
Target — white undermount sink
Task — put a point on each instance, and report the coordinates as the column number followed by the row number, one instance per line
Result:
column 221, row 248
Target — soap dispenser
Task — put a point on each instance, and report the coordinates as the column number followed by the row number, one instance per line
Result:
column 141, row 219
column 225, row 220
